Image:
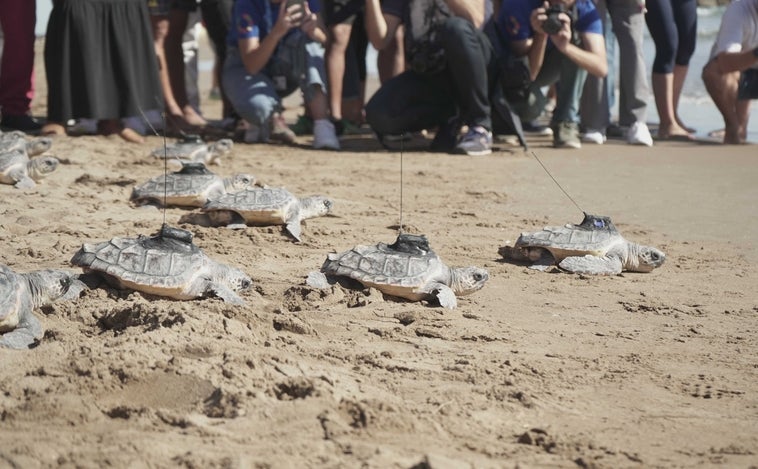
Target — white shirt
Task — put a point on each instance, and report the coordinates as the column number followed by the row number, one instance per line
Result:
column 739, row 28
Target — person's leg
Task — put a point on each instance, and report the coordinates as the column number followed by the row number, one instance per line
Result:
column 339, row 36
column 216, row 16
column 409, row 102
column 468, row 51
column 629, row 26
column 314, row 91
column 723, row 89
column 159, row 20
column 594, row 105
column 254, row 97
column 390, row 61
column 17, row 19
column 661, row 24
column 685, row 15
column 175, row 64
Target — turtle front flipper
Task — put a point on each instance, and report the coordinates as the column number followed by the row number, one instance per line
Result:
column 226, row 294
column 593, row 265
column 23, row 181
column 443, row 293
column 27, row 332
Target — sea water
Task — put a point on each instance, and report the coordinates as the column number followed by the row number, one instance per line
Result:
column 695, row 106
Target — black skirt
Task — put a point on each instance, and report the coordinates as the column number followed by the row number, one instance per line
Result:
column 100, row 60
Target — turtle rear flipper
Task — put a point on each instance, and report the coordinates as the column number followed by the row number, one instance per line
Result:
column 443, row 293
column 25, row 335
column 594, row 265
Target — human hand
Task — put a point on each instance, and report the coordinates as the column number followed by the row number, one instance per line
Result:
column 309, row 22
column 291, row 15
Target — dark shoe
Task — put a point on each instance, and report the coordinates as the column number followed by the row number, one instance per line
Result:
column 476, row 142
column 446, row 136
column 22, row 122
column 566, row 135
column 303, row 125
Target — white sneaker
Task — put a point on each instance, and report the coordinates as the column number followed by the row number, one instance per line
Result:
column 639, row 134
column 593, row 136
column 325, row 135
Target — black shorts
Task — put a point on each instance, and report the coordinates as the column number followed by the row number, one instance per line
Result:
column 341, row 11
column 748, row 88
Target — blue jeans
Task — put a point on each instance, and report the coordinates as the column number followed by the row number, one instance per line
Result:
column 255, row 97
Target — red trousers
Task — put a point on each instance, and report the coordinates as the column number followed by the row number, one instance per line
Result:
column 17, row 18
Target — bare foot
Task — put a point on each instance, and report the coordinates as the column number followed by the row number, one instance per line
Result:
column 131, row 135
column 673, row 132
column 193, row 118
column 52, row 129
column 110, row 127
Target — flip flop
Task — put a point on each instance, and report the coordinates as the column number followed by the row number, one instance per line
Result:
column 676, row 138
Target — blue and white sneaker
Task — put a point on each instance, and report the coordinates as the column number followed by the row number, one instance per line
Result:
column 476, row 142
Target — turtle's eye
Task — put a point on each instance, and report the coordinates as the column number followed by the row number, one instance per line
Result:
column 245, row 284
column 478, row 277
column 65, row 282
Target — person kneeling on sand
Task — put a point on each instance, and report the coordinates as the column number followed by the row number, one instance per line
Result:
column 274, row 48
column 731, row 74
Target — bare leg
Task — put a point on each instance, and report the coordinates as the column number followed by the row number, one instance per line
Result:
column 743, row 115
column 335, row 65
column 663, row 89
column 391, row 60
column 175, row 63
column 160, row 32
column 680, row 74
column 723, row 90
column 318, row 106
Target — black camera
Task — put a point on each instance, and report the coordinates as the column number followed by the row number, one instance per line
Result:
column 553, row 24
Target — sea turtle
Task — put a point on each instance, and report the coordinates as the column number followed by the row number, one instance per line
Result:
column 592, row 247
column 20, row 293
column 261, row 206
column 18, row 169
column 191, row 186
column 166, row 264
column 18, row 140
column 193, row 148
column 408, row 268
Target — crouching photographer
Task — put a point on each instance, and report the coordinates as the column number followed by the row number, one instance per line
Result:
column 560, row 40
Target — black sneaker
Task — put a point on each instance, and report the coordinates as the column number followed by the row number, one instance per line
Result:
column 447, row 136
column 22, row 122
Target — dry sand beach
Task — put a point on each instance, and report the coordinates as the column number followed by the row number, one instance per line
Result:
column 535, row 370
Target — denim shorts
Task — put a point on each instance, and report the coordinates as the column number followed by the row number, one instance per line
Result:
column 748, row 88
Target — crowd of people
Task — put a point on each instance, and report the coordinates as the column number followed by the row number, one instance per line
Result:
column 462, row 69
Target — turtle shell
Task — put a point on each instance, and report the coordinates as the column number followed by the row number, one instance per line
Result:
column 191, row 186
column 163, row 264
column 10, row 160
column 594, row 236
column 11, row 298
column 265, row 206
column 394, row 272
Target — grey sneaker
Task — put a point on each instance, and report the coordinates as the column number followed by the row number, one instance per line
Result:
column 476, row 142
column 566, row 135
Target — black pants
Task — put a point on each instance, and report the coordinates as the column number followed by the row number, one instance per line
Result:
column 412, row 101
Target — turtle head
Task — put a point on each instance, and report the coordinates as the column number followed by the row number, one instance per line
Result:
column 315, row 206
column 40, row 168
column 39, row 145
column 222, row 147
column 237, row 280
column 467, row 280
column 648, row 258
column 239, row 182
column 50, row 285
